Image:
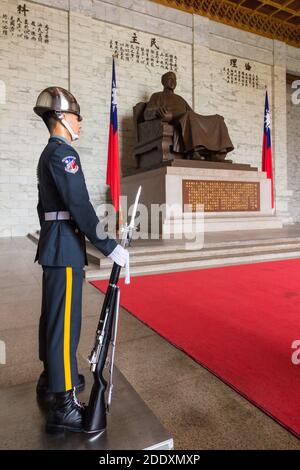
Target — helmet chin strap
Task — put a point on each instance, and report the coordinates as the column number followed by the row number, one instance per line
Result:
column 67, row 126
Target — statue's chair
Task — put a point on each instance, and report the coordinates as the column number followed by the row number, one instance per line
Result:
column 155, row 140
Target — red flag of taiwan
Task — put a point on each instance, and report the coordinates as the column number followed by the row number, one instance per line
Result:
column 267, row 165
column 113, row 162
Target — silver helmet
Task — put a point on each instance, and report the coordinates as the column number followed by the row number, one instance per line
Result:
column 56, row 99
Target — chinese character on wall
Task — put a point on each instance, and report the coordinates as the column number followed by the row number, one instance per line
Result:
column 239, row 73
column 145, row 53
column 24, row 27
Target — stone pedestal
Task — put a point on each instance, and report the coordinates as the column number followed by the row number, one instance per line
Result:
column 232, row 196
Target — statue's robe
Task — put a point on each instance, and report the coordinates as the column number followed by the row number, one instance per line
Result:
column 193, row 130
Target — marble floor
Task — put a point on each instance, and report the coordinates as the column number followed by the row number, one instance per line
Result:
column 198, row 410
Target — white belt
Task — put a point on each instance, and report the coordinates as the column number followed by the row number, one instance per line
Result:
column 60, row 215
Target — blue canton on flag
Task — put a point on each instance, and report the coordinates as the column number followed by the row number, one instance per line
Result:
column 113, row 109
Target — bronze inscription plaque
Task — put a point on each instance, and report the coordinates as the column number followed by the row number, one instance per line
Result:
column 221, row 196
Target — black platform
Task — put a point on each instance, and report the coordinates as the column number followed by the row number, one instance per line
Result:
column 131, row 424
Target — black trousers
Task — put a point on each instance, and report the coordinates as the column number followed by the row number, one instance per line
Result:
column 60, row 324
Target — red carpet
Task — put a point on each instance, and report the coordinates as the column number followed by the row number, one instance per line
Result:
column 239, row 322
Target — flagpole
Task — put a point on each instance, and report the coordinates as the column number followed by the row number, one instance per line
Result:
column 119, row 218
column 120, row 222
column 113, row 158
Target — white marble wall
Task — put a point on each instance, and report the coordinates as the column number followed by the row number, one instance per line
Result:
column 293, row 159
column 203, row 47
column 26, row 68
column 241, row 106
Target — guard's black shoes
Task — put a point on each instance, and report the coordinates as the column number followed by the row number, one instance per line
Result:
column 44, row 397
column 66, row 414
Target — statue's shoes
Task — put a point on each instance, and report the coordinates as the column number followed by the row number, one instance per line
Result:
column 197, row 156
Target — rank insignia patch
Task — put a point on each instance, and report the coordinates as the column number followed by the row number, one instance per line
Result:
column 70, row 164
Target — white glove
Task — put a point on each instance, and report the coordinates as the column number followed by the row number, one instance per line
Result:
column 119, row 255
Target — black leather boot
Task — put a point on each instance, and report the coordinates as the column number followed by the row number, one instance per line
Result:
column 66, row 414
column 44, row 397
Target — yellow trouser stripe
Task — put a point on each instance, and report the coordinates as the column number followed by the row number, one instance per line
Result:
column 67, row 328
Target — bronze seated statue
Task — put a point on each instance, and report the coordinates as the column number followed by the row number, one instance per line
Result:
column 167, row 128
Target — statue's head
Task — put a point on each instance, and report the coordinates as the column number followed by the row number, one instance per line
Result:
column 169, row 81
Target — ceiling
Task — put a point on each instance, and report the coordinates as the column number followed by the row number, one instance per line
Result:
column 276, row 19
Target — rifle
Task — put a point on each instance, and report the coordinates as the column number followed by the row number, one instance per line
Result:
column 96, row 412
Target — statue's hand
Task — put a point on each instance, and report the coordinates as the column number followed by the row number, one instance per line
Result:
column 164, row 114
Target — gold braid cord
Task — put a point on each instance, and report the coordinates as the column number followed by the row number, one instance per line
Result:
column 273, row 19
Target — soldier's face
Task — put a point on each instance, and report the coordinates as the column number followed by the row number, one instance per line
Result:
column 74, row 122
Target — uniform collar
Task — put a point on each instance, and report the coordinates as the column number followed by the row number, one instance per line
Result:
column 59, row 137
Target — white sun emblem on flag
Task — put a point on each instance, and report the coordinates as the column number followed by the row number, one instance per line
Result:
column 114, row 96
column 268, row 120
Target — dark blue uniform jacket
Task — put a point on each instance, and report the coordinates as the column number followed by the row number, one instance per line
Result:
column 62, row 187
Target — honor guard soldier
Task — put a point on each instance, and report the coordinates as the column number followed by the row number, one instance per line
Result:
column 66, row 217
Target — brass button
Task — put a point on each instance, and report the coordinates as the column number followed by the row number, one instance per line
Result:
column 76, row 230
